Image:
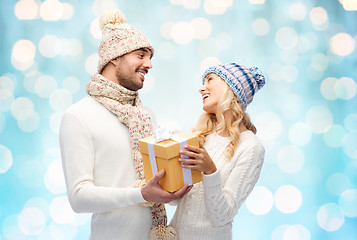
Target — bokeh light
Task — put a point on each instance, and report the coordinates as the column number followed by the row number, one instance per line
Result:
column 201, row 27
column 342, row 44
column 337, row 183
column 346, row 88
column 182, row 32
column 29, row 124
column 350, row 122
column 328, row 88
column 26, row 9
column 54, row 178
column 60, row 99
column 54, row 10
column 305, row 115
column 291, row 232
column 350, row 143
column 330, row 217
column 286, row 38
column 60, row 210
column 49, row 46
column 348, row 203
column 22, row 108
column 319, row 118
column 6, row 99
column 319, row 18
column 2, row 122
column 207, row 62
column 217, row 7
column 23, row 54
column 269, row 130
column 261, row 27
column 32, row 221
column 257, row 1
column 334, row 136
column 290, row 159
column 254, row 203
column 288, row 199
column 95, row 29
column 45, row 86
column 192, row 4
column 349, row 5
column 300, row 134
column 297, row 11
column 91, row 63
column 6, row 159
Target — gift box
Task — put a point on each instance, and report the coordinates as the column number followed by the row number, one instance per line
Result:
column 165, row 155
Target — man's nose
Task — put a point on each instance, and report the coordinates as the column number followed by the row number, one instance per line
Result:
column 147, row 64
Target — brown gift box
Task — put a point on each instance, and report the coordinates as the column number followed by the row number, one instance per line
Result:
column 167, row 155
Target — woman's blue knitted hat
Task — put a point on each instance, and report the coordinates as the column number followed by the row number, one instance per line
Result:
column 244, row 82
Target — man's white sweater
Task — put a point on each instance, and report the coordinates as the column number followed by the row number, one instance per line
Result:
column 100, row 174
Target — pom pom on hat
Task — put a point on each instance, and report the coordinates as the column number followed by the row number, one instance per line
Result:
column 118, row 38
column 258, row 76
column 111, row 17
column 245, row 82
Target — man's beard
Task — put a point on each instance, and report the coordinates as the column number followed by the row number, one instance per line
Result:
column 127, row 80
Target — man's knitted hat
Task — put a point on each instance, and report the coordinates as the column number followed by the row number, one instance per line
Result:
column 244, row 82
column 118, row 38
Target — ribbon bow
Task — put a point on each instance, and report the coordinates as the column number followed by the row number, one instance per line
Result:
column 163, row 133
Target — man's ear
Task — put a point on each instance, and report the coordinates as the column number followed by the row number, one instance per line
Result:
column 115, row 61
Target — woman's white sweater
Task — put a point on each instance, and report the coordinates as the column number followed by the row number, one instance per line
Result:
column 208, row 210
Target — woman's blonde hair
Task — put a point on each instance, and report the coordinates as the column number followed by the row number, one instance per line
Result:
column 208, row 121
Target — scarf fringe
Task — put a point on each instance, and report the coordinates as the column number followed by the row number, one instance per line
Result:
column 161, row 232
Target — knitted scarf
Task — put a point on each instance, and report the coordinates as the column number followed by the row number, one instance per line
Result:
column 127, row 106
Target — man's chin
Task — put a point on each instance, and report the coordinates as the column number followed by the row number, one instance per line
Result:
column 140, row 85
column 137, row 87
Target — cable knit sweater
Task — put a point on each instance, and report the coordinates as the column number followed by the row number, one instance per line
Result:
column 100, row 174
column 208, row 210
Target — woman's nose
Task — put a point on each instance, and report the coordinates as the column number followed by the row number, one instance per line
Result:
column 202, row 88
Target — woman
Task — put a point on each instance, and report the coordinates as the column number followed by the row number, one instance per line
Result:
column 230, row 158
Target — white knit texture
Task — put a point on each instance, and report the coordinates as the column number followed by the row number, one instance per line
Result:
column 208, row 210
column 99, row 172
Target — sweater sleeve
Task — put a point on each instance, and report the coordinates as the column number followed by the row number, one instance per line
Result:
column 222, row 203
column 78, row 164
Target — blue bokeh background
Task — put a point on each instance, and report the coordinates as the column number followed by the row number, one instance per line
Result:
column 306, row 114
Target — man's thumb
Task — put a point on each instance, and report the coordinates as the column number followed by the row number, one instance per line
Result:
column 160, row 174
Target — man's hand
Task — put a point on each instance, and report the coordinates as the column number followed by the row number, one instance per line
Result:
column 152, row 191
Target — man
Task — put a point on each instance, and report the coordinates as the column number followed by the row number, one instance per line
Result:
column 99, row 142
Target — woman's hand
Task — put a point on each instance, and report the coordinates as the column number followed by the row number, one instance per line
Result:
column 198, row 159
